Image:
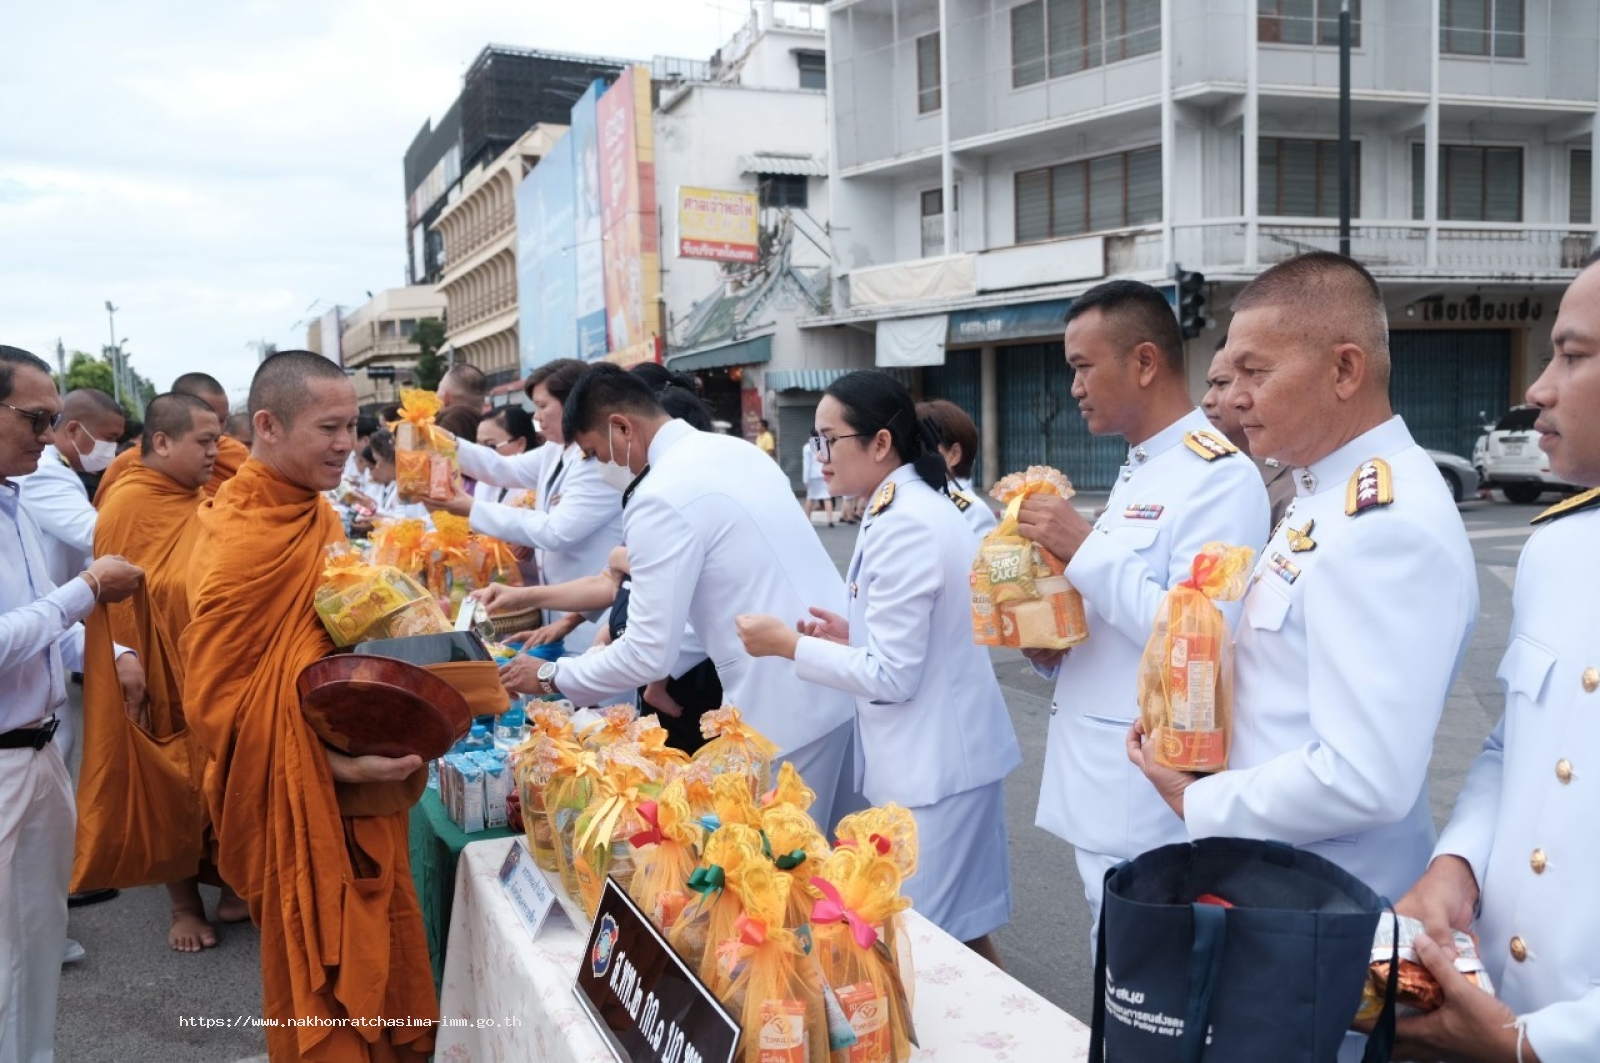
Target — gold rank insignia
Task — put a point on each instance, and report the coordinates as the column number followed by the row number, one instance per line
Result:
column 1587, row 500
column 963, row 503
column 1209, row 445
column 883, row 501
column 1300, row 540
column 1371, row 486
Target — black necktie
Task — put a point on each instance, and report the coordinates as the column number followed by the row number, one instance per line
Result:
column 634, row 486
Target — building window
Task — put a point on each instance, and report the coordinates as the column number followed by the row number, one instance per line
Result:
column 783, row 190
column 813, row 69
column 1305, row 22
column 1053, row 38
column 928, row 97
column 933, row 220
column 1580, row 190
column 1111, row 192
column 1483, row 27
column 1475, row 183
column 1300, row 178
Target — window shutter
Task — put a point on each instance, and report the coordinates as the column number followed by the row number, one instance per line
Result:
column 1580, row 206
column 1106, row 207
column 1503, row 184
column 1419, row 177
column 1508, row 28
column 928, row 73
column 1144, row 186
column 1071, row 208
column 1027, row 44
column 1033, row 206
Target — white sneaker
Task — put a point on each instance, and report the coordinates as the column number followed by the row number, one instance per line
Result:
column 74, row 953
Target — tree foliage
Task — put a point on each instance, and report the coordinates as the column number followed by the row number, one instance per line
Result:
column 430, row 368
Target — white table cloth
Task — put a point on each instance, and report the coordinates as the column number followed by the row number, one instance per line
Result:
column 508, row 999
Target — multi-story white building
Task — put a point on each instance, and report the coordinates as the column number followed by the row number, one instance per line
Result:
column 1076, row 140
column 755, row 120
column 380, row 336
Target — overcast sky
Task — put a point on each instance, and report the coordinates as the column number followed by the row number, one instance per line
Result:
column 215, row 169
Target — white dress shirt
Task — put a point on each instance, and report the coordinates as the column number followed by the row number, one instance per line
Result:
column 40, row 634
column 1168, row 503
column 1343, row 657
column 59, row 504
column 575, row 523
column 930, row 718
column 979, row 517
column 1526, row 817
column 713, row 532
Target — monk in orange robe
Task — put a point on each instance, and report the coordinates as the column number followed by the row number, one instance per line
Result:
column 309, row 837
column 141, row 817
column 230, row 452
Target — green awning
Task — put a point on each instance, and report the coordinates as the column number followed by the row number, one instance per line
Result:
column 745, row 352
column 819, row 379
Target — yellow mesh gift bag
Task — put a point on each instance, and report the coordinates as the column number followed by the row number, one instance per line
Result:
column 600, row 844
column 735, row 746
column 358, row 602
column 727, row 851
column 797, row 849
column 533, row 763
column 665, row 853
column 615, row 725
column 853, row 926
column 652, row 739
column 571, row 788
column 1019, row 596
column 1186, row 673
column 790, row 789
column 424, row 456
column 398, row 543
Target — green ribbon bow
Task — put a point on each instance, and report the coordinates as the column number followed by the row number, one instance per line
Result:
column 707, row 879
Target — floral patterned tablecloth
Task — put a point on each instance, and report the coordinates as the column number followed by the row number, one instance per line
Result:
column 508, row 999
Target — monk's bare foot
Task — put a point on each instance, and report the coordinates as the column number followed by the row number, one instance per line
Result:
column 232, row 908
column 190, row 932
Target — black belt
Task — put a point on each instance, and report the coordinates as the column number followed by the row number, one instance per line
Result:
column 30, row 737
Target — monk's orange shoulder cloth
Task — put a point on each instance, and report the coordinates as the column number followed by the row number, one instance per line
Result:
column 128, row 459
column 231, row 456
column 341, row 933
column 141, row 819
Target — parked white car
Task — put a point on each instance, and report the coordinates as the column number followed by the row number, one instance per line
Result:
column 1509, row 458
column 1459, row 475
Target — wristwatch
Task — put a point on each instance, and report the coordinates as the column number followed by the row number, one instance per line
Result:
column 547, row 677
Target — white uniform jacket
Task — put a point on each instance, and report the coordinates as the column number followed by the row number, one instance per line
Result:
column 1526, row 817
column 930, row 716
column 1352, row 632
column 1169, row 501
column 59, row 504
column 979, row 517
column 575, row 522
column 713, row 532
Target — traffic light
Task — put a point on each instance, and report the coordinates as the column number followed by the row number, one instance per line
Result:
column 1191, row 303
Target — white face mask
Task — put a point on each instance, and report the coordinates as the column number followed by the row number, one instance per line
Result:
column 616, row 476
column 99, row 458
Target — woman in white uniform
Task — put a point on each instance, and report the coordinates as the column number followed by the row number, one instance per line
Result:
column 957, row 438
column 932, row 728
column 576, row 518
column 816, row 486
column 509, row 431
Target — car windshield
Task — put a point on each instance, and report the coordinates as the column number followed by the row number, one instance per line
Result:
column 1518, row 420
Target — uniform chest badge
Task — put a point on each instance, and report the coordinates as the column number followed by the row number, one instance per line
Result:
column 963, row 503
column 884, row 500
column 1300, row 540
column 1143, row 511
column 1283, row 568
column 1371, row 486
column 1209, row 445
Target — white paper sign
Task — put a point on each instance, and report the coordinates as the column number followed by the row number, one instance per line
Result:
column 526, row 888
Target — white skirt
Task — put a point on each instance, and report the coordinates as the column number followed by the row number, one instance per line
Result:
column 963, row 879
column 817, row 489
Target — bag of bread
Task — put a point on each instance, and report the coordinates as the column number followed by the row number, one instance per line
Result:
column 1019, row 596
column 734, row 746
column 424, row 456
column 863, row 953
column 1186, row 673
column 665, row 853
column 1417, row 990
column 358, row 602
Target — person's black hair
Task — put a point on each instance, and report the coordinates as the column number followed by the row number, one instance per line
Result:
column 367, row 455
column 557, row 376
column 677, row 393
column 382, row 444
column 10, row 359
column 875, row 402
column 1140, row 314
column 517, row 423
column 602, row 390
column 366, row 424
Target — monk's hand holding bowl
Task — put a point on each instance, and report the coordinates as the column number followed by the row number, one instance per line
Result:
column 371, row 769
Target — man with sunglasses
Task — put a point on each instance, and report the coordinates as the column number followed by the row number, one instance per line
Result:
column 40, row 638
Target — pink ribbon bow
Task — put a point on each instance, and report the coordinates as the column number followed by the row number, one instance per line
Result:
column 649, row 812
column 831, row 909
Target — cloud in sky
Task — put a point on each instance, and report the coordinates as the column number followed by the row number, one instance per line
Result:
column 214, row 169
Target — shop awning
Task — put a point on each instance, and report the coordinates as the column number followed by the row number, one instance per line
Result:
column 787, row 165
column 1019, row 321
column 744, row 352
column 819, row 379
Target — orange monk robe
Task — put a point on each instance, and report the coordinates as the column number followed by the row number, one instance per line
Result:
column 231, row 454
column 141, row 819
column 341, row 932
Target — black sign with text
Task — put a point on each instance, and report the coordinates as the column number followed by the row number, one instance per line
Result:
column 645, row 1001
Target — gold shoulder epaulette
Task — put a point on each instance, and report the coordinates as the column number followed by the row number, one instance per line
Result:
column 1371, row 486
column 884, row 500
column 963, row 503
column 1209, row 445
column 1588, row 500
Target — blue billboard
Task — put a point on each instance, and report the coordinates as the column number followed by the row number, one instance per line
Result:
column 547, row 280
column 589, row 249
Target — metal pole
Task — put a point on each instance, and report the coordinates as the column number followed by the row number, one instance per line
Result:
column 61, row 363
column 1344, row 127
column 116, row 354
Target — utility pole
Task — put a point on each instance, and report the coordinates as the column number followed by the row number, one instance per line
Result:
column 1344, row 127
column 61, row 364
column 116, row 354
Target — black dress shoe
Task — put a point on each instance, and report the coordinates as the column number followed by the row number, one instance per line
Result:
column 78, row 900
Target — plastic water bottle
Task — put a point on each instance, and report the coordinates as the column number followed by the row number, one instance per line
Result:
column 478, row 739
column 512, row 727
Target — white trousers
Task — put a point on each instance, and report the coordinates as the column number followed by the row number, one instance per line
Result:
column 1092, row 868
column 37, row 825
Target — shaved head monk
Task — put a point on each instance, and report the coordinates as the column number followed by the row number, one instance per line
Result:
column 141, row 819
column 314, row 841
column 231, row 453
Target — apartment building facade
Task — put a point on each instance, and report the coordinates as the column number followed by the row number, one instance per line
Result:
column 1076, row 140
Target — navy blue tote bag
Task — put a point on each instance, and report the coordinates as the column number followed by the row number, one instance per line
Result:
column 1276, row 977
